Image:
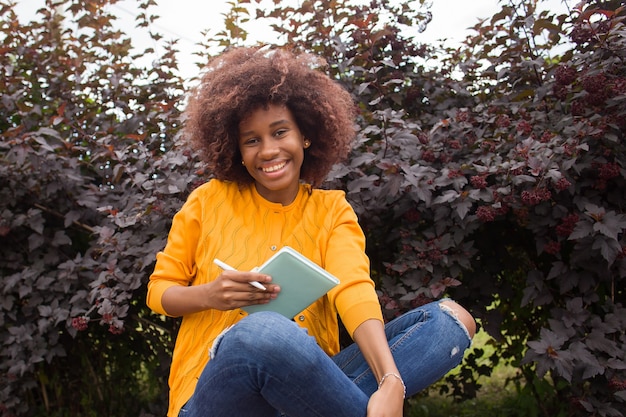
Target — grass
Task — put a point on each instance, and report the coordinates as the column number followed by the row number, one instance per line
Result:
column 495, row 398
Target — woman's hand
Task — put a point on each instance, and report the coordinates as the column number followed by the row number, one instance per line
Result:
column 233, row 289
column 230, row 290
column 388, row 401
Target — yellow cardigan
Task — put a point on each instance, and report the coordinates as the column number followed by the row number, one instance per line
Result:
column 235, row 224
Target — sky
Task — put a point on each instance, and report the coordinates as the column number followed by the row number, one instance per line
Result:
column 185, row 20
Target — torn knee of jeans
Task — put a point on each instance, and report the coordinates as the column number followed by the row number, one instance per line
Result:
column 453, row 313
column 448, row 309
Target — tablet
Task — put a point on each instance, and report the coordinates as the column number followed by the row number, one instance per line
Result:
column 301, row 282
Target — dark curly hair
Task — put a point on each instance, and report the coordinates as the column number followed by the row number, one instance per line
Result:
column 243, row 80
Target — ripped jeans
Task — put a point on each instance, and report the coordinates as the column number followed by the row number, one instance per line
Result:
column 267, row 365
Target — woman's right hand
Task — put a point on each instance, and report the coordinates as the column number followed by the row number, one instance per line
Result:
column 233, row 289
column 230, row 290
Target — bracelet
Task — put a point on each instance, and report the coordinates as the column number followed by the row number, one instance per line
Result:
column 396, row 376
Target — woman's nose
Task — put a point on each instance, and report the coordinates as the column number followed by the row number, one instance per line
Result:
column 269, row 148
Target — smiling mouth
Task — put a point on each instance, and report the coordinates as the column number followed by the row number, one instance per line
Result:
column 274, row 168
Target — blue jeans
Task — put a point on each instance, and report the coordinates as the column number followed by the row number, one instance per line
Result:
column 267, row 365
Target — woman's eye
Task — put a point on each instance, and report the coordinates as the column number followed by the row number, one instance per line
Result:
column 280, row 132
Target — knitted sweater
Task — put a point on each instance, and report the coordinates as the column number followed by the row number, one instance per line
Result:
column 235, row 224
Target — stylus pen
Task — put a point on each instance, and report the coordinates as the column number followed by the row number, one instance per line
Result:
column 227, row 267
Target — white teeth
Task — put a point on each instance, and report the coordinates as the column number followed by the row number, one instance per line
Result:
column 274, row 168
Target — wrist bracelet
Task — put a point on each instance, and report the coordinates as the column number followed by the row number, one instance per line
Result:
column 396, row 376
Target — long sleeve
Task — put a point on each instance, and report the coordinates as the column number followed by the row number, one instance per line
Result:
column 176, row 264
column 356, row 300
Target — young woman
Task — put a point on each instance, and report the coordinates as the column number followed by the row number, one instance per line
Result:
column 270, row 127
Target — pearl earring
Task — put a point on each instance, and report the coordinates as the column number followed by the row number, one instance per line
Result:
column 307, row 143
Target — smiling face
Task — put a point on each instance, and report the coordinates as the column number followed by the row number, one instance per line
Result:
column 272, row 150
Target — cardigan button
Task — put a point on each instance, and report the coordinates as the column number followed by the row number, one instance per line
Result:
column 273, row 247
column 301, row 317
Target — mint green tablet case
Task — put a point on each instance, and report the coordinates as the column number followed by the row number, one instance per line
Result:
column 301, row 280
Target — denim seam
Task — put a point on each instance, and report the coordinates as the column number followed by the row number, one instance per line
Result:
column 410, row 331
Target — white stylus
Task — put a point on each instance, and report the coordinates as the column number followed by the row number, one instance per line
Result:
column 227, row 267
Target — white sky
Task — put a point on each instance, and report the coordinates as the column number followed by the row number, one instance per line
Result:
column 185, row 20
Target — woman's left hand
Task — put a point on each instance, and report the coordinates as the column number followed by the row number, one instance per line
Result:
column 388, row 401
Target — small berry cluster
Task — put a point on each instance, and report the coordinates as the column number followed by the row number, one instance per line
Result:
column 429, row 156
column 524, row 128
column 562, row 184
column 552, row 247
column 478, row 181
column 546, row 137
column 616, row 385
column 598, row 88
column 412, row 215
column 462, row 116
column 80, row 323
column 503, row 121
column 454, row 144
column 486, row 214
column 536, row 196
column 565, row 75
column 430, row 255
column 609, row 170
column 455, row 173
column 567, row 225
